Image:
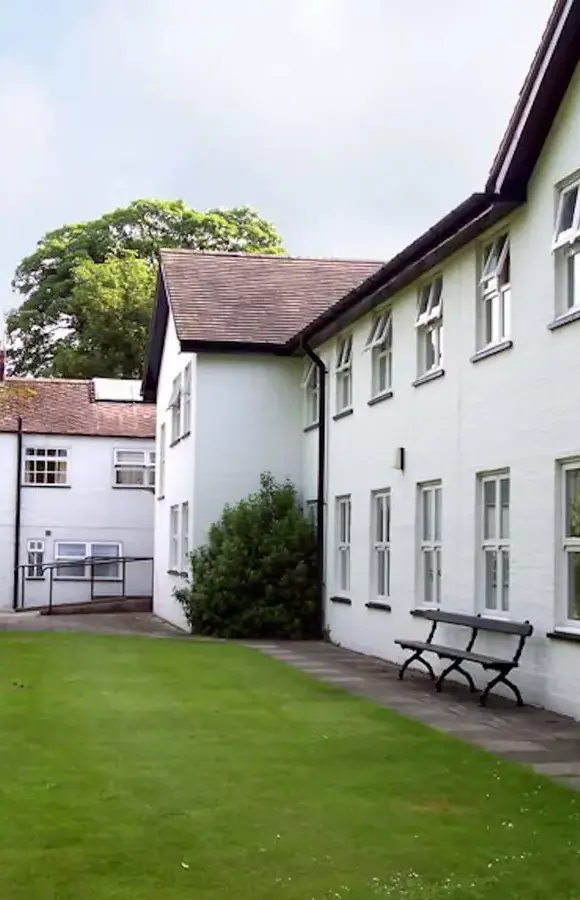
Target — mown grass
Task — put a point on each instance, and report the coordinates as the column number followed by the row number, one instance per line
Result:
column 135, row 768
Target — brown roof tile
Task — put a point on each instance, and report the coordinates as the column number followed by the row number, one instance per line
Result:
column 61, row 406
column 254, row 298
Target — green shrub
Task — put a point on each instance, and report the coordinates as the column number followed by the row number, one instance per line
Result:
column 257, row 575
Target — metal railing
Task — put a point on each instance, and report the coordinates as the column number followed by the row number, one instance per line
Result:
column 93, row 580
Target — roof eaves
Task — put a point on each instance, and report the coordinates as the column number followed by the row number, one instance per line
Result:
column 249, row 347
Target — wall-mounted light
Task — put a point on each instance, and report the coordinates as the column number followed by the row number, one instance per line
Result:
column 400, row 459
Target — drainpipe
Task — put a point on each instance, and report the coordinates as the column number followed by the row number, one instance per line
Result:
column 17, row 515
column 321, row 480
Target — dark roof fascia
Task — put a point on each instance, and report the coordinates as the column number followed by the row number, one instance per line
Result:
column 157, row 332
column 239, row 347
column 461, row 225
column 510, row 176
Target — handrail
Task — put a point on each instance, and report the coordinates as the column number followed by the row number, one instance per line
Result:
column 92, row 561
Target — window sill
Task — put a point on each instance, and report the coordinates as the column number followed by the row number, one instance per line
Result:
column 51, row 486
column 176, row 573
column 428, row 376
column 36, row 578
column 175, row 442
column 312, row 427
column 87, row 580
column 161, row 496
column 492, row 350
column 379, row 398
column 562, row 634
column 571, row 316
column 421, row 610
column 382, row 607
column 343, row 414
column 343, row 600
column 133, row 487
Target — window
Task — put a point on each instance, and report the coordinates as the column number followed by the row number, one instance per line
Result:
column 566, row 248
column 174, row 537
column 46, row 466
column 380, row 345
column 429, row 325
column 187, row 399
column 162, row 461
column 134, row 468
column 311, row 386
column 78, row 556
column 495, row 292
column 495, row 545
column 184, row 537
column 570, row 558
column 430, row 547
column 343, row 520
column 35, row 559
column 381, row 545
column 343, row 371
column 175, row 407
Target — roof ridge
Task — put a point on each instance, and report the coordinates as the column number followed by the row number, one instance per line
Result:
column 284, row 256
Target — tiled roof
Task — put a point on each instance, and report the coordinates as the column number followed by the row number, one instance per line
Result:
column 254, row 298
column 62, row 406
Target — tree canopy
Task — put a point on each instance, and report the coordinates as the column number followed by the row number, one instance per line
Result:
column 88, row 287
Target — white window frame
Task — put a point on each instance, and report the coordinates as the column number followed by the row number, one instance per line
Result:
column 343, row 507
column 174, row 539
column 380, row 346
column 569, row 548
column 430, row 543
column 174, row 405
column 495, row 292
column 36, row 461
column 162, row 451
column 381, row 545
column 566, row 250
column 429, row 326
column 495, row 545
column 343, row 374
column 184, row 537
column 88, row 552
column 139, row 461
column 35, row 560
column 311, row 388
column 186, row 411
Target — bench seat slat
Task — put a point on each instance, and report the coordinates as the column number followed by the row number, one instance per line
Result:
column 490, row 662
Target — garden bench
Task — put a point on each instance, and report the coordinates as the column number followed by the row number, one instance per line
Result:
column 459, row 655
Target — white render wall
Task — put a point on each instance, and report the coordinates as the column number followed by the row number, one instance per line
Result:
column 516, row 410
column 88, row 510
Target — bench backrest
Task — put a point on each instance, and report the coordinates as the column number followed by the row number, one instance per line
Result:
column 482, row 623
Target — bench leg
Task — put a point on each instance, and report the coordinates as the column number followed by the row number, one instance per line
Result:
column 501, row 679
column 455, row 667
column 416, row 657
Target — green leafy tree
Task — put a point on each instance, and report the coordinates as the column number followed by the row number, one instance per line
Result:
column 257, row 575
column 46, row 331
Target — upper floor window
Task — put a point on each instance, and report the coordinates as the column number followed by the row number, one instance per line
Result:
column 187, row 379
column 311, row 386
column 343, row 371
column 175, row 407
column 161, row 485
column 495, row 293
column 380, row 345
column 495, row 543
column 134, row 468
column 566, row 247
column 46, row 466
column 429, row 325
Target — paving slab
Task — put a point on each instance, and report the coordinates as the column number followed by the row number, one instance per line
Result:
column 544, row 740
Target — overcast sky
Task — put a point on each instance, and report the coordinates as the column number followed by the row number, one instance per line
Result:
column 351, row 124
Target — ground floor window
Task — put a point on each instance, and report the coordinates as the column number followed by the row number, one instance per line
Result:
column 35, row 559
column 79, row 557
column 495, row 544
column 430, row 544
column 343, row 529
column 570, row 555
column 381, row 545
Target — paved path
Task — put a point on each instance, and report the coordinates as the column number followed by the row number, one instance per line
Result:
column 95, row 623
column 546, row 741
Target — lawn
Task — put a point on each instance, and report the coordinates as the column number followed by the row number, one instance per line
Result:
column 136, row 768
